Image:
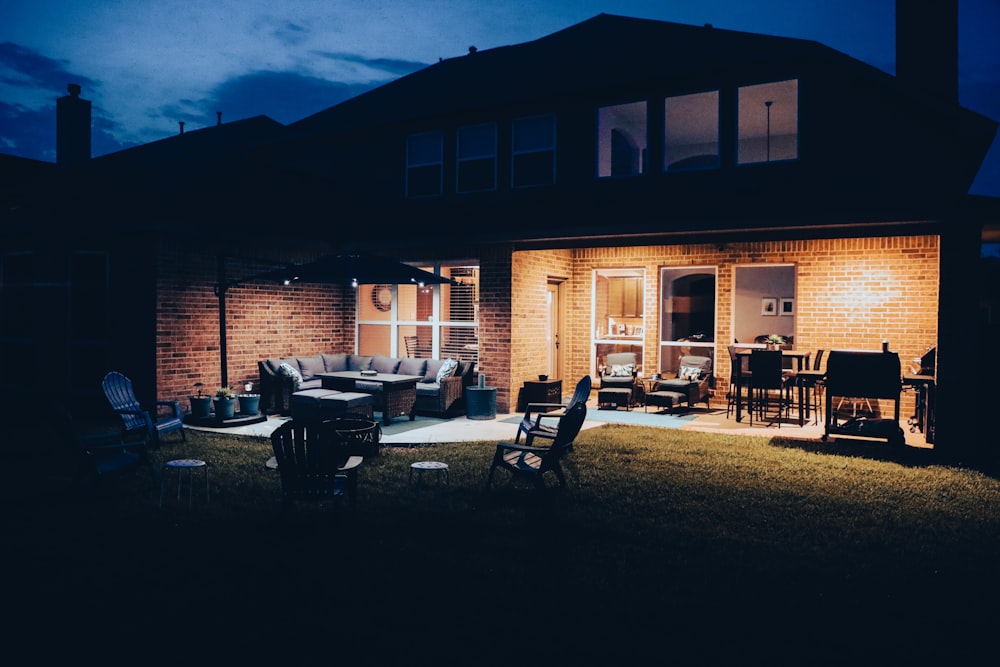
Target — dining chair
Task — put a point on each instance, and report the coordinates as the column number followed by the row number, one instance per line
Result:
column 768, row 385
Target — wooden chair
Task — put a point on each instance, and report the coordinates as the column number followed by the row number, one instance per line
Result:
column 529, row 462
column 314, row 463
column 165, row 417
column 531, row 423
column 411, row 345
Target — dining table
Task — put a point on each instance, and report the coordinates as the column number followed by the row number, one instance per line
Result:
column 801, row 358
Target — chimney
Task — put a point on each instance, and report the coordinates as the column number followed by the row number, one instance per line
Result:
column 927, row 47
column 181, row 123
column 72, row 128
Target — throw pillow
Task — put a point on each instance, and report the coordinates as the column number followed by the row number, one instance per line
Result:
column 447, row 369
column 690, row 373
column 622, row 371
column 286, row 370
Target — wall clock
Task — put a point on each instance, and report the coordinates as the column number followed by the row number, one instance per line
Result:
column 382, row 297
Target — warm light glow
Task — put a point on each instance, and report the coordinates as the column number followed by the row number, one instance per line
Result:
column 354, row 282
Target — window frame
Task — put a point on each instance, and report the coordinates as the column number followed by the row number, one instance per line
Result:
column 412, row 165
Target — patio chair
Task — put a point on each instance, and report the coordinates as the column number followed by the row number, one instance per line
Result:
column 100, row 455
column 314, row 463
column 620, row 374
column 769, row 385
column 137, row 420
column 529, row 462
column 531, row 423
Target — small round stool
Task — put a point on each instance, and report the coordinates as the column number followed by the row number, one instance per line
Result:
column 181, row 465
column 429, row 466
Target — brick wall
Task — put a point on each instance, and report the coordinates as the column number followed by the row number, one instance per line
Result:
column 262, row 320
column 850, row 294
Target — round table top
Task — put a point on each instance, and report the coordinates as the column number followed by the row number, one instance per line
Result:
column 185, row 463
column 429, row 465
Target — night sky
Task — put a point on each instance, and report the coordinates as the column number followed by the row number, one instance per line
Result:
column 148, row 64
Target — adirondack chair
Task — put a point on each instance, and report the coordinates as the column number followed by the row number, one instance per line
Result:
column 532, row 425
column 136, row 420
column 529, row 462
column 315, row 463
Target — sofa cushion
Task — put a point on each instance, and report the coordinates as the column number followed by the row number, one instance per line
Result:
column 358, row 362
column 431, row 372
column 311, row 367
column 447, row 369
column 310, row 397
column 273, row 364
column 428, row 388
column 333, row 363
column 384, row 364
column 287, row 370
column 411, row 366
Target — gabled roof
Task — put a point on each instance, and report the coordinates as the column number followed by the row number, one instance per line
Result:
column 605, row 51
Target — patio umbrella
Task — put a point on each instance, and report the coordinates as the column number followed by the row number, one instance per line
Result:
column 353, row 270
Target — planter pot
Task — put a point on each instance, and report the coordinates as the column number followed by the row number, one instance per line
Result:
column 249, row 404
column 225, row 408
column 201, row 406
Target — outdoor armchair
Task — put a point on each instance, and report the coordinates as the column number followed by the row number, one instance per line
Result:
column 136, row 420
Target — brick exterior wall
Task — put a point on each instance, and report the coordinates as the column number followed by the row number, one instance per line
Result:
column 263, row 320
column 850, row 293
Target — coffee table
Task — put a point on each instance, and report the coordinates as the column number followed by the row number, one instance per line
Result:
column 398, row 392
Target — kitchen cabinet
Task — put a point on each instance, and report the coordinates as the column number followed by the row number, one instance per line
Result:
column 625, row 298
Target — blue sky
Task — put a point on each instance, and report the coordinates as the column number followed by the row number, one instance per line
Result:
column 148, row 64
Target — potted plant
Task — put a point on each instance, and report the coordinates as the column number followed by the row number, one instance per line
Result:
column 775, row 341
column 201, row 405
column 225, row 403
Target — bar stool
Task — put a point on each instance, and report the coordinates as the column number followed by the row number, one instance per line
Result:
column 420, row 467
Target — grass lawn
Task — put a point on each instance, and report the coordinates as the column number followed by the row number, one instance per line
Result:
column 666, row 547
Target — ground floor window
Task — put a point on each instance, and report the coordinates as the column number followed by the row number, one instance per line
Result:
column 424, row 322
column 619, row 313
column 687, row 316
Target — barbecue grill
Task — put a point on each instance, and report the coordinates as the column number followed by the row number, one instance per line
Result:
column 863, row 374
column 921, row 379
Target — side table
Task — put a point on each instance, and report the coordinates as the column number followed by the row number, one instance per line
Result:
column 481, row 402
column 541, row 391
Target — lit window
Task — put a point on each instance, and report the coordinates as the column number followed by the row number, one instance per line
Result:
column 534, row 151
column 477, row 158
column 691, row 132
column 768, row 122
column 424, row 164
column 621, row 140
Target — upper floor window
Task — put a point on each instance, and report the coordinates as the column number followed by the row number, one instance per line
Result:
column 424, row 164
column 768, row 122
column 621, row 140
column 477, row 158
column 691, row 132
column 533, row 151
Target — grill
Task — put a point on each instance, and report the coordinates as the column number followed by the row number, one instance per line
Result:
column 862, row 374
column 921, row 380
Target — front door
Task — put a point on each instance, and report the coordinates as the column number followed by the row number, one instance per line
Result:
column 552, row 332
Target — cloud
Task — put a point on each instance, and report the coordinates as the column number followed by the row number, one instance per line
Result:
column 389, row 68
column 23, row 67
column 284, row 96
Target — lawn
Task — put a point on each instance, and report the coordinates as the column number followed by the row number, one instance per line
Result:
column 666, row 547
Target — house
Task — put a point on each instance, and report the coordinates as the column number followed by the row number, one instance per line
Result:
column 622, row 184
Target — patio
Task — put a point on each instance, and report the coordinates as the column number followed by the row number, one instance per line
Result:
column 430, row 430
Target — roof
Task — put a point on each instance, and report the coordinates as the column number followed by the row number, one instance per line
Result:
column 605, row 51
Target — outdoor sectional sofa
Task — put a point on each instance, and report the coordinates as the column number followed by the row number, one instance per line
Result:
column 442, row 398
